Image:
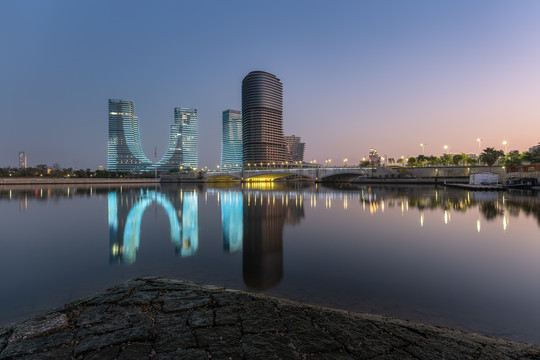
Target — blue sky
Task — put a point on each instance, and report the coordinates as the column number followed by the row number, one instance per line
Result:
column 356, row 74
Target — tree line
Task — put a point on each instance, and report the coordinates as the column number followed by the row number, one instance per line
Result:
column 490, row 156
column 55, row 171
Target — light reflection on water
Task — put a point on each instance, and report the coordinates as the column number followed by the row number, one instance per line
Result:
column 445, row 256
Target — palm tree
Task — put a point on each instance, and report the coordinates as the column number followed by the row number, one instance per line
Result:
column 490, row 156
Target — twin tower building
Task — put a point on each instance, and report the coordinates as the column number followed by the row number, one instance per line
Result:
column 253, row 137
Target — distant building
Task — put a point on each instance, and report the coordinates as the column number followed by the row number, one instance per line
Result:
column 295, row 147
column 124, row 151
column 262, row 120
column 22, row 160
column 374, row 157
column 534, row 148
column 231, row 143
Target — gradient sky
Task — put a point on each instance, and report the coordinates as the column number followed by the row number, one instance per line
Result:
column 356, row 74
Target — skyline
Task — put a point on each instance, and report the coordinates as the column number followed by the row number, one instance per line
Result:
column 356, row 75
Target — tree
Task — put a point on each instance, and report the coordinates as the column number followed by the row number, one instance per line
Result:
column 446, row 159
column 471, row 161
column 365, row 163
column 513, row 158
column 400, row 161
column 422, row 159
column 391, row 160
column 411, row 161
column 490, row 156
column 531, row 156
column 459, row 159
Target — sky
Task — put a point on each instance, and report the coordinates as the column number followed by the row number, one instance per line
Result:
column 383, row 74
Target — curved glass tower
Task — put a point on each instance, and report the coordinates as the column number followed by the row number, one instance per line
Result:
column 124, row 147
column 173, row 157
column 262, row 120
column 231, row 145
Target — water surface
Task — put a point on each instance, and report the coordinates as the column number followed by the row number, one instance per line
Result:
column 468, row 260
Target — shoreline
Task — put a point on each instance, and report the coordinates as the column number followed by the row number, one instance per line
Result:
column 76, row 181
column 165, row 318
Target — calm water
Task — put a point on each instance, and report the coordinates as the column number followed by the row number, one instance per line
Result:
column 469, row 260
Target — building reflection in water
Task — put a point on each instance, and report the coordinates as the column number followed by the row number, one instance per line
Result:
column 265, row 215
column 126, row 211
column 232, row 221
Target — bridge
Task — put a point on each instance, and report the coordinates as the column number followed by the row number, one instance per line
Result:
column 315, row 174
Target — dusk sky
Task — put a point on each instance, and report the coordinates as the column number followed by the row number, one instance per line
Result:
column 356, row 74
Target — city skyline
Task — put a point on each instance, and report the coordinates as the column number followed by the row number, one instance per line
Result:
column 386, row 75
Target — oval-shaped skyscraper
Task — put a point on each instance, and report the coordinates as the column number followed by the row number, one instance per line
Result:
column 262, row 120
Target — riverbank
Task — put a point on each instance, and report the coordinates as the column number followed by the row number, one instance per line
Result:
column 70, row 181
column 163, row 318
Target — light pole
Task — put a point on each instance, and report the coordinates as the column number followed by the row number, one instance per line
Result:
column 505, row 143
column 423, row 148
column 345, row 161
column 479, row 145
column 446, row 148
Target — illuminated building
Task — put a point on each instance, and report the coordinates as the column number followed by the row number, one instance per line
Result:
column 295, row 147
column 187, row 118
column 262, row 119
column 124, row 151
column 231, row 145
column 22, row 160
column 374, row 157
column 173, row 157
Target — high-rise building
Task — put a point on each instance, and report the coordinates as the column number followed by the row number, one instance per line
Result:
column 374, row 157
column 124, row 148
column 295, row 147
column 262, row 120
column 187, row 117
column 173, row 156
column 231, row 145
column 22, row 160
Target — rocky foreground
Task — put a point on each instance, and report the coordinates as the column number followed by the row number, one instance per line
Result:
column 162, row 318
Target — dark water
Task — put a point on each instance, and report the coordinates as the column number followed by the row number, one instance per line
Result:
column 469, row 260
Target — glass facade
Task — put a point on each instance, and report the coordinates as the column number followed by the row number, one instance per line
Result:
column 231, row 145
column 124, row 151
column 173, row 157
column 124, row 148
column 187, row 117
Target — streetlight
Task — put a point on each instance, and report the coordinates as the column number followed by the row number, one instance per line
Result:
column 446, row 148
column 345, row 161
column 423, row 148
column 479, row 145
column 505, row 143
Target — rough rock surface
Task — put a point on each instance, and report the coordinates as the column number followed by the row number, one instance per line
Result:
column 162, row 318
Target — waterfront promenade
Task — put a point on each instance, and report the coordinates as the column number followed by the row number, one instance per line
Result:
column 162, row 318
